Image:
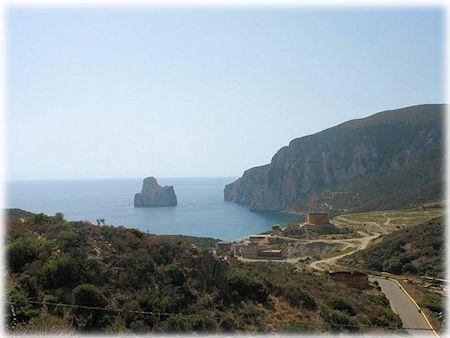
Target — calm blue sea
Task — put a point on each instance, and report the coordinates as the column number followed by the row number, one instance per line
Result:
column 201, row 210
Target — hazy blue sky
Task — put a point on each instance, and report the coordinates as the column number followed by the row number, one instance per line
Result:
column 95, row 93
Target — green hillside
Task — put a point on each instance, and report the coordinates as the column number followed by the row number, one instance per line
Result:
column 66, row 277
column 416, row 250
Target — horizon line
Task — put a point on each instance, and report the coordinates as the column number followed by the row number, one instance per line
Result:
column 111, row 178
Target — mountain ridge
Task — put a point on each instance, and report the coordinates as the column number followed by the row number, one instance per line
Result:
column 312, row 170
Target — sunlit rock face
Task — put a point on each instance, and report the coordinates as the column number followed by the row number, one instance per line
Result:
column 390, row 159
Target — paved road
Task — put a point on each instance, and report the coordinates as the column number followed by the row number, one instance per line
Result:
column 404, row 307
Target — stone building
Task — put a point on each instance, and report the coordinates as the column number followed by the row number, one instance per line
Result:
column 353, row 279
column 318, row 218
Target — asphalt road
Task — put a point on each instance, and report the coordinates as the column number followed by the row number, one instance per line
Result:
column 404, row 307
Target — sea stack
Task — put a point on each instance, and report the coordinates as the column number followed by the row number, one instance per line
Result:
column 153, row 195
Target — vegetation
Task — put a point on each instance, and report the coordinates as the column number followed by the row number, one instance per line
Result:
column 79, row 277
column 417, row 250
column 432, row 301
column 388, row 220
column 298, row 297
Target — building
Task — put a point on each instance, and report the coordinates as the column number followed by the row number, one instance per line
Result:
column 318, row 218
column 252, row 250
column 271, row 253
column 276, row 229
column 222, row 247
column 258, row 239
column 355, row 279
column 236, row 248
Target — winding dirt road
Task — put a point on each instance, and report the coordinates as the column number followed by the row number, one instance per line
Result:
column 329, row 263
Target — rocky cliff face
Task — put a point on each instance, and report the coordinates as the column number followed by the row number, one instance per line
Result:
column 153, row 195
column 390, row 159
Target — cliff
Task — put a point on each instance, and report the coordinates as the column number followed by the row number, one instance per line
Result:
column 392, row 159
column 153, row 195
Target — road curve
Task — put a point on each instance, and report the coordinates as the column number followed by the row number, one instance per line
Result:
column 329, row 263
column 401, row 304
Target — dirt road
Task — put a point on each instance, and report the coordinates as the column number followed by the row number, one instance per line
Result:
column 330, row 263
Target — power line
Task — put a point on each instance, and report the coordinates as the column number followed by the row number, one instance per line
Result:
column 152, row 313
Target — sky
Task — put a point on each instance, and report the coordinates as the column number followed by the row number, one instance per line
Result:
column 197, row 92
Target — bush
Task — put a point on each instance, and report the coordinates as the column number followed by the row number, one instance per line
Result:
column 341, row 304
column 68, row 239
column 59, row 217
column 59, row 271
column 296, row 296
column 298, row 328
column 29, row 284
column 89, row 295
column 184, row 323
column 249, row 287
column 41, row 218
column 375, row 265
column 393, row 265
column 379, row 299
column 432, row 301
column 175, row 274
column 25, row 250
column 46, row 324
column 18, row 301
column 338, row 319
column 383, row 318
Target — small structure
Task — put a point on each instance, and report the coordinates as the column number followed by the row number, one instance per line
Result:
column 317, row 218
column 276, row 229
column 252, row 250
column 257, row 239
column 271, row 253
column 275, row 240
column 353, row 279
column 318, row 221
column 236, row 248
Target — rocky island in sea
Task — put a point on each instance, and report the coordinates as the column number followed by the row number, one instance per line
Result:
column 154, row 195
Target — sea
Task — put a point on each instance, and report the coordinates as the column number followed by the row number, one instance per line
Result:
column 201, row 209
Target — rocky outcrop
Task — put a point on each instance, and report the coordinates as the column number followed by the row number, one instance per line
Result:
column 390, row 159
column 153, row 195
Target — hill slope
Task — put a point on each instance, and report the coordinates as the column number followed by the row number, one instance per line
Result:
column 392, row 159
column 113, row 279
column 417, row 250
